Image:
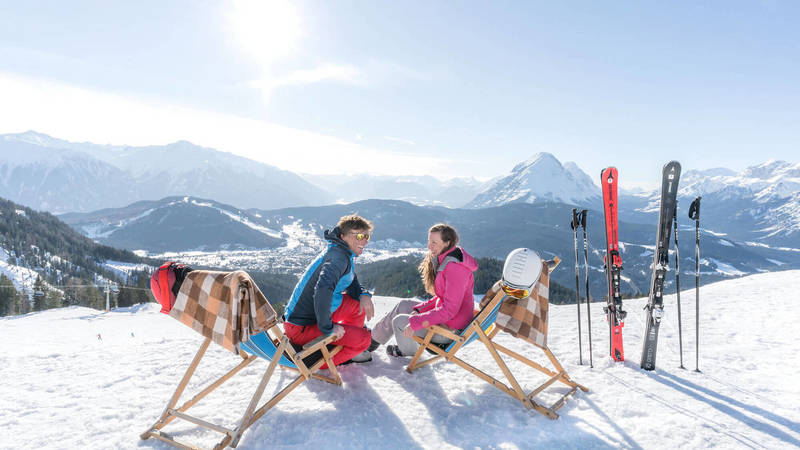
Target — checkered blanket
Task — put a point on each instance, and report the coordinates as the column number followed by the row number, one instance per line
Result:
column 228, row 307
column 526, row 318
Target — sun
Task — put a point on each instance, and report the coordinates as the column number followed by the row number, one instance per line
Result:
column 268, row 30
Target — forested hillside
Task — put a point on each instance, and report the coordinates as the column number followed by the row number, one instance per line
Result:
column 58, row 266
column 398, row 277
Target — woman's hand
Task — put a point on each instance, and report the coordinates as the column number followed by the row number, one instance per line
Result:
column 408, row 331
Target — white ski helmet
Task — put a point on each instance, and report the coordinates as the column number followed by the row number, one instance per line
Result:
column 521, row 271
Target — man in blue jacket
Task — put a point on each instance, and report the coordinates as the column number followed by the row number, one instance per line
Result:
column 328, row 299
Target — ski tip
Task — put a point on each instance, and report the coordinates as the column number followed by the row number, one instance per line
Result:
column 672, row 165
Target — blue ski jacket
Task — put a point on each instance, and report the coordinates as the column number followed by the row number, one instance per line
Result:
column 319, row 292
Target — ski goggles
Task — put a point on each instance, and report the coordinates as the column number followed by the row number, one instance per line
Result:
column 515, row 292
column 361, row 236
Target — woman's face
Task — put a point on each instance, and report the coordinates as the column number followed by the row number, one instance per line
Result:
column 435, row 243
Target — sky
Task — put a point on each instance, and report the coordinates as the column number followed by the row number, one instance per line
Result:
column 414, row 88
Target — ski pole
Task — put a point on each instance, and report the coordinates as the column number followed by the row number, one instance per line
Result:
column 694, row 214
column 678, row 286
column 574, row 224
column 586, row 269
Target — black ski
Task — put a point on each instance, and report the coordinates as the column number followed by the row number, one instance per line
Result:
column 655, row 305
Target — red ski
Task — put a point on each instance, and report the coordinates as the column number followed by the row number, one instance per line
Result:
column 613, row 260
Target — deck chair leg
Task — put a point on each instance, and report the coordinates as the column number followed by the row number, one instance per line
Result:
column 412, row 365
column 490, row 346
column 328, row 357
column 245, row 422
column 565, row 379
column 163, row 420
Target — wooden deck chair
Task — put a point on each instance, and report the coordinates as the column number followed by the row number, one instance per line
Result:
column 271, row 345
column 483, row 328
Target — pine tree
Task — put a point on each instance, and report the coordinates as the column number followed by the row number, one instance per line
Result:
column 39, row 300
column 54, row 299
column 8, row 296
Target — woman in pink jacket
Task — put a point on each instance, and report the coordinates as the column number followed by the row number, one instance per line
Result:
column 447, row 275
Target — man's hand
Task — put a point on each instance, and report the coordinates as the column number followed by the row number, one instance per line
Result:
column 408, row 331
column 366, row 306
column 338, row 331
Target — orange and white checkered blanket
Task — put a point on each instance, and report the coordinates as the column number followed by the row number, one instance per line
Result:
column 228, row 307
column 526, row 318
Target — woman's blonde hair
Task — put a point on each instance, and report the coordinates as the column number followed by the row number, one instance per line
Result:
column 427, row 268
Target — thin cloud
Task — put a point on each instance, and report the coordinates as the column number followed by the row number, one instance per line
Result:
column 400, row 140
column 341, row 73
column 79, row 114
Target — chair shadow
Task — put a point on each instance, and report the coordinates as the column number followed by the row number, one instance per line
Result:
column 365, row 418
column 493, row 409
column 692, row 389
column 628, row 439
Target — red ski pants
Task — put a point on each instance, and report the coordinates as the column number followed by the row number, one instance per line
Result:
column 356, row 338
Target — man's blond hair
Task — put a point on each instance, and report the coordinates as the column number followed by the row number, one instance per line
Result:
column 353, row 222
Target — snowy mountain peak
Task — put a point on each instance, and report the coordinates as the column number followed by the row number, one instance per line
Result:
column 541, row 159
column 771, row 169
column 36, row 138
column 713, row 172
column 540, row 178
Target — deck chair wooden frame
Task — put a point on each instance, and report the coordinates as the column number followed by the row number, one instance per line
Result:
column 482, row 328
column 284, row 355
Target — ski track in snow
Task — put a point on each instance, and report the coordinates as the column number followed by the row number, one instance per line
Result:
column 66, row 388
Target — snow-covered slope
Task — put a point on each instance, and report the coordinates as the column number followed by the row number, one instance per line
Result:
column 176, row 224
column 540, row 178
column 79, row 378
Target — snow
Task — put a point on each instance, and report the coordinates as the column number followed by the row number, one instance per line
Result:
column 540, row 178
column 237, row 217
column 22, row 277
column 69, row 389
column 722, row 268
column 124, row 269
column 303, row 243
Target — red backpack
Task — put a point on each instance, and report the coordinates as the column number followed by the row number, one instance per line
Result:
column 165, row 283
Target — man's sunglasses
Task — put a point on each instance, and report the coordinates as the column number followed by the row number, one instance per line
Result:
column 361, row 236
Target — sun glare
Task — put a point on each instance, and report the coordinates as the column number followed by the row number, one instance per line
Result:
column 268, row 30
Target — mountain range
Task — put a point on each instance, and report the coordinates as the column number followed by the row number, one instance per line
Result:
column 59, row 176
column 759, row 205
column 293, row 236
column 180, row 197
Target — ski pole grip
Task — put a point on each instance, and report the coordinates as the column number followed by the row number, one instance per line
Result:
column 694, row 209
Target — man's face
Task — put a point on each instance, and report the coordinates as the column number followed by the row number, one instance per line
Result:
column 352, row 238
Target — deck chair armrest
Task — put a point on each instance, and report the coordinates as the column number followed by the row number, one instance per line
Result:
column 316, row 344
column 438, row 329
